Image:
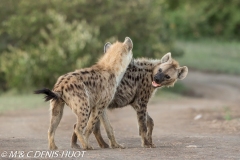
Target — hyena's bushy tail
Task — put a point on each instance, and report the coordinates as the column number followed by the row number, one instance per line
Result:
column 49, row 94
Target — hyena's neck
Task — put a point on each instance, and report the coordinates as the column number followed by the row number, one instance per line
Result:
column 117, row 69
column 147, row 63
column 116, row 60
column 120, row 71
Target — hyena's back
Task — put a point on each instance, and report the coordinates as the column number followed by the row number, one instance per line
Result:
column 82, row 83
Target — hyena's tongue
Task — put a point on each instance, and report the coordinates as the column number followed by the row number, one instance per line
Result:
column 155, row 84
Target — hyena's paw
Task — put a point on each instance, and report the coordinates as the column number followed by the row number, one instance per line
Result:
column 153, row 145
column 150, row 141
column 75, row 146
column 103, row 145
column 116, row 145
column 53, row 147
column 89, row 147
column 146, row 144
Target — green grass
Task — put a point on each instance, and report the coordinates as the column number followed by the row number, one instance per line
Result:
column 178, row 88
column 163, row 94
column 211, row 55
column 17, row 102
column 227, row 115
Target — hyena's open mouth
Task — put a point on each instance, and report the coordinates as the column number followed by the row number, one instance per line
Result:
column 154, row 84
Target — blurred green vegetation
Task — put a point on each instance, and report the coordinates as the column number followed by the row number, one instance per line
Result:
column 178, row 88
column 200, row 19
column 11, row 102
column 211, row 55
column 227, row 113
column 41, row 40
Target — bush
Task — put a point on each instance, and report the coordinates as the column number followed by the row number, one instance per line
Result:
column 196, row 19
column 44, row 39
column 59, row 48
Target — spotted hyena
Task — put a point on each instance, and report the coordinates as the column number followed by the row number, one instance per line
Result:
column 88, row 91
column 142, row 78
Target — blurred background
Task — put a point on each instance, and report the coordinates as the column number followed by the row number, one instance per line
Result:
column 41, row 40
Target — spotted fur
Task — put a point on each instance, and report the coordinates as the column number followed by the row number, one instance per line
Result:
column 136, row 89
column 88, row 91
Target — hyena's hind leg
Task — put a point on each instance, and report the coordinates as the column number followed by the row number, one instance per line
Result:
column 56, row 116
column 150, row 125
column 74, row 139
column 93, row 118
column 81, row 108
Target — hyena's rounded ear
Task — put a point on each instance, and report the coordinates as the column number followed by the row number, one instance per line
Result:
column 182, row 72
column 167, row 58
column 107, row 46
column 129, row 43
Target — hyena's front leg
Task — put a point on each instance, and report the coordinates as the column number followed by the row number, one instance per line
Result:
column 107, row 125
column 98, row 135
column 141, row 115
column 150, row 125
column 142, row 123
column 96, row 132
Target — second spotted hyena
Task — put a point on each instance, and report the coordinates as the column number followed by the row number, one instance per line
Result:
column 139, row 83
column 88, row 91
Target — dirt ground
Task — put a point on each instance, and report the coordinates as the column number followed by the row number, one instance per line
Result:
column 204, row 126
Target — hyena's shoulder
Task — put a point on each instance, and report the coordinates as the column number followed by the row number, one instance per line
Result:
column 133, row 76
column 135, row 83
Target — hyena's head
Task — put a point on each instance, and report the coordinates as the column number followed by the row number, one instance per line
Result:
column 121, row 51
column 127, row 41
column 168, row 72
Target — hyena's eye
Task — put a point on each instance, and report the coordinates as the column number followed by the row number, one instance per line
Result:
column 160, row 70
column 167, row 76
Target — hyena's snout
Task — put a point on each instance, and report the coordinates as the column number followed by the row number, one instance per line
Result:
column 159, row 78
